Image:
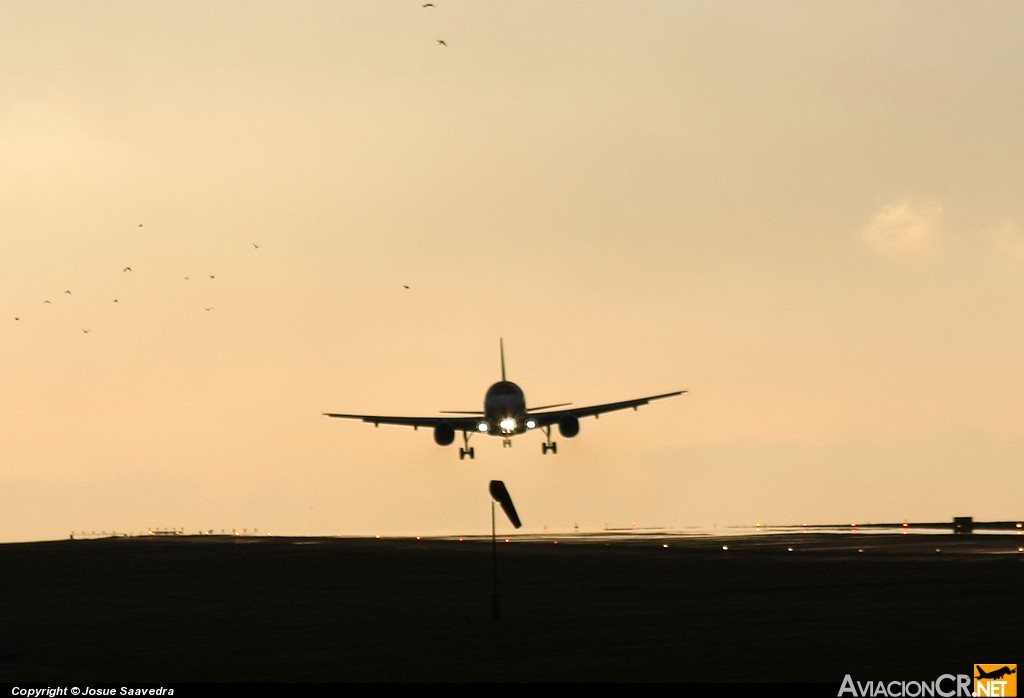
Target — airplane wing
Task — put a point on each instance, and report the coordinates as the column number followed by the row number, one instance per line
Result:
column 548, row 418
column 458, row 423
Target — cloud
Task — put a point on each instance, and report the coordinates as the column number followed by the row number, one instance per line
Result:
column 1008, row 240
column 906, row 227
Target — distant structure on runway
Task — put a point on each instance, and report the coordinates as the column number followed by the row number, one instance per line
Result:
column 166, row 531
column 963, row 524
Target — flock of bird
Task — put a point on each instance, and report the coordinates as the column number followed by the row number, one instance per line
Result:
column 127, row 269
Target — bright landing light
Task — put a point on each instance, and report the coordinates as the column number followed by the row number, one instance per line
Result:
column 507, row 424
column 482, row 426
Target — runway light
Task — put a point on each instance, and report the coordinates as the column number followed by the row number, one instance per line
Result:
column 860, row 550
column 789, row 549
column 725, row 547
column 664, row 545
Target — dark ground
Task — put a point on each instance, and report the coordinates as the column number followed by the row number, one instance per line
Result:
column 313, row 610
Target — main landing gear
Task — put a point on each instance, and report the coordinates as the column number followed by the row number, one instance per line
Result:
column 466, row 449
column 548, row 444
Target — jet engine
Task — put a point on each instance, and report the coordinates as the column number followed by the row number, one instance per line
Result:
column 444, row 434
column 569, row 426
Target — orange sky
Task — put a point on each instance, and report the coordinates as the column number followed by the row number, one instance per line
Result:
column 808, row 215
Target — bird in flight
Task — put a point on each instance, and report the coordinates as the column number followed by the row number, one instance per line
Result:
column 85, row 330
column 442, row 42
column 127, row 269
column 429, row 4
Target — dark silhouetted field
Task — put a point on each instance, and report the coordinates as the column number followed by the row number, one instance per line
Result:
column 222, row 609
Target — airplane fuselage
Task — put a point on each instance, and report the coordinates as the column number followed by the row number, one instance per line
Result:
column 504, row 410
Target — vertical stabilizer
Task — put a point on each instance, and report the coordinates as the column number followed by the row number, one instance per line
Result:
column 501, row 343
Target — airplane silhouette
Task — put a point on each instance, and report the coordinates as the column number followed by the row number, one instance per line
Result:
column 995, row 674
column 505, row 414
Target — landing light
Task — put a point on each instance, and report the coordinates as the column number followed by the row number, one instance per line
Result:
column 507, row 424
column 530, row 424
column 482, row 427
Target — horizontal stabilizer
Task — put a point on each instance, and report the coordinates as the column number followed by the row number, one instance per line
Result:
column 548, row 407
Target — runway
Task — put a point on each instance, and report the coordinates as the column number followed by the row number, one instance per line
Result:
column 765, row 607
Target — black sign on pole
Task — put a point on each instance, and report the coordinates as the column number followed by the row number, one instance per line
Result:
column 499, row 493
column 502, row 497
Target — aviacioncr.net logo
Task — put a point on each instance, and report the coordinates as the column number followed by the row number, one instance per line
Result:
column 995, row 680
column 945, row 686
